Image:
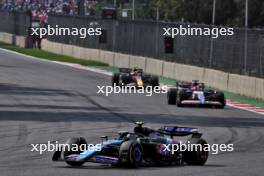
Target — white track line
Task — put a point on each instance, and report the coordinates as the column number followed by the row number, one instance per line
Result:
column 78, row 66
column 245, row 108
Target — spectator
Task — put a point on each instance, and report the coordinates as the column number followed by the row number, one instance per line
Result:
column 49, row 6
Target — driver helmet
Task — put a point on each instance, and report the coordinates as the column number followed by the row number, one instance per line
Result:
column 134, row 70
column 195, row 85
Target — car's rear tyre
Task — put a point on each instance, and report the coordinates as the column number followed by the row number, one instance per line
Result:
column 221, row 99
column 115, row 79
column 126, row 79
column 154, row 81
column 172, row 96
column 198, row 157
column 178, row 100
column 221, row 106
column 130, row 154
column 72, row 142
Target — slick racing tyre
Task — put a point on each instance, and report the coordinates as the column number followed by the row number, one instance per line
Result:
column 171, row 96
column 115, row 79
column 130, row 154
column 179, row 99
column 221, row 99
column 154, row 81
column 72, row 142
column 198, row 157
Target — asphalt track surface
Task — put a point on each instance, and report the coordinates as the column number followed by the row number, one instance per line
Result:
column 43, row 101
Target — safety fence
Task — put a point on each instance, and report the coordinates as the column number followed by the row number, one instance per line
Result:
column 241, row 53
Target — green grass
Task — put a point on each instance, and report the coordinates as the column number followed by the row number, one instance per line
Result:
column 51, row 56
column 243, row 99
column 167, row 81
column 107, row 68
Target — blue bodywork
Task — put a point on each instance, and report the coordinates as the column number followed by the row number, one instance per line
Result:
column 89, row 153
column 179, row 129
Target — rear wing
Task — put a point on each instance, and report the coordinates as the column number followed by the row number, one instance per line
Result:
column 180, row 131
column 128, row 70
column 125, row 70
column 188, row 85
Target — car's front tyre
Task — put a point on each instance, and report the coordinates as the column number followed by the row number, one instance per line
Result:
column 172, row 96
column 72, row 142
column 196, row 157
column 131, row 154
column 115, row 79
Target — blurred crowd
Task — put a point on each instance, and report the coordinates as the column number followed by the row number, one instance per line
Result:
column 69, row 7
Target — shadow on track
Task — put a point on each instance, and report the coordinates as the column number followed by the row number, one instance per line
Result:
column 27, row 115
column 154, row 167
column 98, row 113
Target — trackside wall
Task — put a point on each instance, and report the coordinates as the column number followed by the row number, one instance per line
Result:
column 244, row 85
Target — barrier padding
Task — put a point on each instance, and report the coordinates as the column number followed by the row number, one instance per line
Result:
column 92, row 54
column 188, row 73
column 44, row 45
column 138, row 61
column 56, row 48
column 259, row 88
column 67, row 50
column 243, row 85
column 216, row 79
column 107, row 57
column 154, row 66
column 1, row 36
column 169, row 69
column 8, row 38
column 121, row 60
column 77, row 52
column 20, row 41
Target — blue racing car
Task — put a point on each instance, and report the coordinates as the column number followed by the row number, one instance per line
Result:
column 143, row 146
